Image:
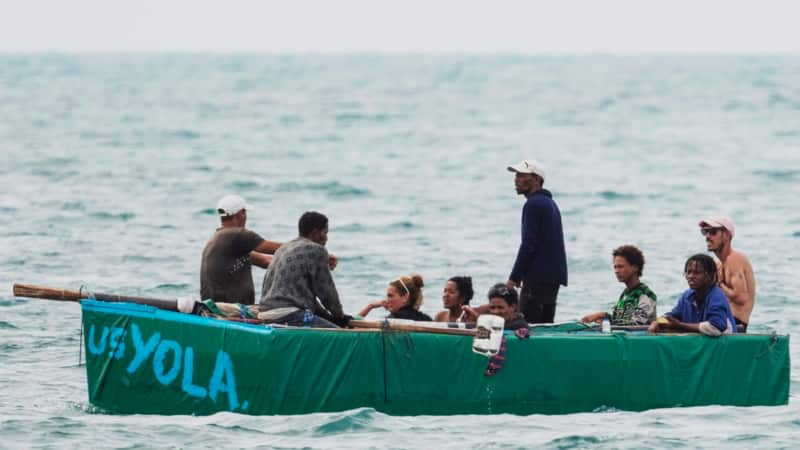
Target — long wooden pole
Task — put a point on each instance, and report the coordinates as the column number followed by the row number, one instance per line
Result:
column 410, row 327
column 61, row 294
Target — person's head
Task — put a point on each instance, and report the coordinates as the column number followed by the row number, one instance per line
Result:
column 314, row 227
column 628, row 261
column 718, row 232
column 404, row 291
column 700, row 271
column 502, row 301
column 457, row 292
column 528, row 176
column 232, row 210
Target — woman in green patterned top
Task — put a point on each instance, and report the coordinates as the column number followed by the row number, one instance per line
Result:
column 637, row 303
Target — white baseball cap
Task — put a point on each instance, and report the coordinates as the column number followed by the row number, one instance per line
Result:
column 719, row 222
column 230, row 205
column 528, row 166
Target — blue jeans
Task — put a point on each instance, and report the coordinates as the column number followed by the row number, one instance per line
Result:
column 305, row 318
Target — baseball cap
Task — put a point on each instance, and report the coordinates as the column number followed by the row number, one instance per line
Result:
column 718, row 222
column 230, row 205
column 528, row 166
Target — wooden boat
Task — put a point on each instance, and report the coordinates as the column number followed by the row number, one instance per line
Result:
column 143, row 359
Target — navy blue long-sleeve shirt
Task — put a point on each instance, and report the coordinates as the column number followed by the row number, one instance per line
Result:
column 541, row 257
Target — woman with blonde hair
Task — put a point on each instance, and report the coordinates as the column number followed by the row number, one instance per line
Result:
column 403, row 299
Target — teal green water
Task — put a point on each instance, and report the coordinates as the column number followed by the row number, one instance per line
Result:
column 112, row 165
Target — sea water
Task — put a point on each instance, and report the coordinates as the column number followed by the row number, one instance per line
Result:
column 111, row 166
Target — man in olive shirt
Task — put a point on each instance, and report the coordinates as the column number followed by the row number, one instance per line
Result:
column 225, row 270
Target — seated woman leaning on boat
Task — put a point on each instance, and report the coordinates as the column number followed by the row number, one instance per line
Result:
column 456, row 294
column 503, row 302
column 403, row 299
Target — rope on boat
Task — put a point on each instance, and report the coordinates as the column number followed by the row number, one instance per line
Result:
column 90, row 296
column 89, row 292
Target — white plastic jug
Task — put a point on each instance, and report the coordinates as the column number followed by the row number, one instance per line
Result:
column 488, row 334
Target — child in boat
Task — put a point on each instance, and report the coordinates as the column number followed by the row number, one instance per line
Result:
column 456, row 294
column 403, row 299
column 502, row 302
column 637, row 303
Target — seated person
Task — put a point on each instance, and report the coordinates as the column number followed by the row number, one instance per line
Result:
column 502, row 302
column 403, row 299
column 703, row 308
column 637, row 303
column 457, row 293
column 298, row 288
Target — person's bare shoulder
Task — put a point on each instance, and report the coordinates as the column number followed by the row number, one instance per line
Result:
column 738, row 261
column 441, row 316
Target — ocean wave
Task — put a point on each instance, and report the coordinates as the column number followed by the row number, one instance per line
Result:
column 242, row 185
column 332, row 189
column 359, row 420
column 402, row 225
column 73, row 206
column 12, row 302
column 351, row 118
column 350, row 228
column 780, row 175
column 614, row 195
column 7, row 326
column 173, row 286
column 124, row 216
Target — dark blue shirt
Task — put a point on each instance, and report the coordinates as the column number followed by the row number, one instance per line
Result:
column 713, row 308
column 541, row 257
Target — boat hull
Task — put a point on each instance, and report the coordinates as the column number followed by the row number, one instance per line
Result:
column 143, row 360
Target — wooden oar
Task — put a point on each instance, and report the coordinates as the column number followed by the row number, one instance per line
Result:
column 33, row 291
column 410, row 327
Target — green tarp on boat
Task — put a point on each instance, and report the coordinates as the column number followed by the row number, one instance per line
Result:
column 140, row 359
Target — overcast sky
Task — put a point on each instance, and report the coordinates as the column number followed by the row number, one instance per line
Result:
column 401, row 26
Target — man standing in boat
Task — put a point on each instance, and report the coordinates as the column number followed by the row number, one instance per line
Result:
column 298, row 288
column 736, row 278
column 225, row 269
column 541, row 264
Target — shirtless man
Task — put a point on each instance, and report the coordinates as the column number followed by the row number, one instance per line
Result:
column 734, row 271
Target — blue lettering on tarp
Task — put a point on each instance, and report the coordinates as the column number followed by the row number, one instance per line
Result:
column 116, row 346
column 158, row 362
column 142, row 350
column 223, row 380
column 168, row 358
column 96, row 348
column 188, row 372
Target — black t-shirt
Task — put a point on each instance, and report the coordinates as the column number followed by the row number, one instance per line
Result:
column 517, row 322
column 225, row 270
column 409, row 313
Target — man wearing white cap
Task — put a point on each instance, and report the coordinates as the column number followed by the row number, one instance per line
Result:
column 541, row 264
column 225, row 270
column 734, row 271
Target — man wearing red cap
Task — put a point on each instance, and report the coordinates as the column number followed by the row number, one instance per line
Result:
column 736, row 278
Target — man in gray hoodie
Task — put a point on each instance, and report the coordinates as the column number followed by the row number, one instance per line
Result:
column 298, row 288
